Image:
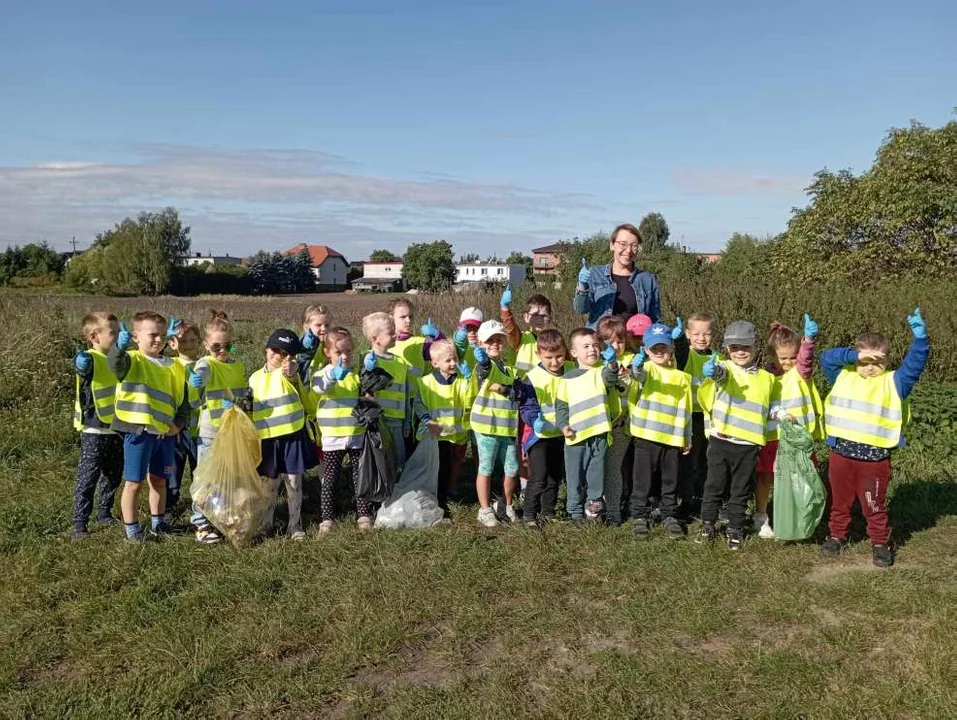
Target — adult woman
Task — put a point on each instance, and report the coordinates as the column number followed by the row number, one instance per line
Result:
column 618, row 288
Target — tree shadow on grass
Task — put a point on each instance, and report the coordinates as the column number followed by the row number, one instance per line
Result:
column 918, row 505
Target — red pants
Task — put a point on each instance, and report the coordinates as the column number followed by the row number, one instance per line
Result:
column 865, row 481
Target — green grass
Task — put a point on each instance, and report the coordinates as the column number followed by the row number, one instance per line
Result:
column 458, row 621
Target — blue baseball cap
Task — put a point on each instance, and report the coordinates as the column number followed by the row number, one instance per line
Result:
column 658, row 334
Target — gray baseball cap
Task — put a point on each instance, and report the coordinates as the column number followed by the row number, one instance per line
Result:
column 741, row 332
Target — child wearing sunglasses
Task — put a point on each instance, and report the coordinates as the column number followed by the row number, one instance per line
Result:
column 220, row 381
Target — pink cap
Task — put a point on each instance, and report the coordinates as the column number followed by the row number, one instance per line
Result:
column 637, row 324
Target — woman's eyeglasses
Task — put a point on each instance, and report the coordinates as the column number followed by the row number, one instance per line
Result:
column 634, row 247
column 219, row 347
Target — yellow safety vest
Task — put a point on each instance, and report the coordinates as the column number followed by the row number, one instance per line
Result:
column 277, row 403
column 309, row 398
column 589, row 405
column 448, row 404
column 526, row 357
column 150, row 394
column 494, row 414
column 798, row 398
column 102, row 387
column 661, row 411
column 694, row 366
column 334, row 412
column 394, row 400
column 546, row 391
column 227, row 381
column 739, row 407
column 866, row 410
column 410, row 352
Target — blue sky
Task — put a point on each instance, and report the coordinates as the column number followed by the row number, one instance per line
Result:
column 496, row 126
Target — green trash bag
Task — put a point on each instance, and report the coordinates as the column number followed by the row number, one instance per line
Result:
column 799, row 494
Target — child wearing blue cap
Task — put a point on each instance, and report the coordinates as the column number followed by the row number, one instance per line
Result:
column 660, row 402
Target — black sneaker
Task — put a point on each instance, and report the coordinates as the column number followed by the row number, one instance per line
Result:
column 832, row 547
column 107, row 521
column 707, row 534
column 882, row 556
column 674, row 528
column 735, row 538
column 639, row 526
column 79, row 533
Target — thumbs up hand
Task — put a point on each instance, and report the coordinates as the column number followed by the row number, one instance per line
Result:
column 173, row 327
column 584, row 275
column 481, row 357
column 369, row 362
column 538, row 425
column 195, row 379
column 608, row 354
column 464, row 371
column 640, row 359
column 461, row 335
column 917, row 325
column 429, row 330
column 678, row 330
column 339, row 372
column 711, row 366
column 82, row 361
column 506, row 300
column 309, row 340
column 124, row 338
column 810, row 327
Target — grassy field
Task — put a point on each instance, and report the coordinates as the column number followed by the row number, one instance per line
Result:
column 453, row 622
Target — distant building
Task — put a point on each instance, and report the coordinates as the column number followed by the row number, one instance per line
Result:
column 199, row 259
column 489, row 273
column 328, row 265
column 547, row 260
column 710, row 258
column 380, row 277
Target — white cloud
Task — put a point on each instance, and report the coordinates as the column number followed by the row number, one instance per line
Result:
column 736, row 182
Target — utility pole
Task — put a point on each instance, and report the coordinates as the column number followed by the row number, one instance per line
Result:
column 74, row 244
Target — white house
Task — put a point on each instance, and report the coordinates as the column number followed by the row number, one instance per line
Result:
column 199, row 259
column 328, row 265
column 490, row 272
column 379, row 277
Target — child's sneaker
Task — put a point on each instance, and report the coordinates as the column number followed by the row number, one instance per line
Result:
column 107, row 521
column 298, row 535
column 364, row 524
column 832, row 546
column 503, row 512
column 674, row 528
column 162, row 531
column 593, row 510
column 882, row 556
column 655, row 514
column 486, row 517
column 763, row 523
column 639, row 527
column 207, row 535
column 325, row 527
column 734, row 539
column 707, row 534
column 79, row 533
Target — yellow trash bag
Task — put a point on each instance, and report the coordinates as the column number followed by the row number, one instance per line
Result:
column 226, row 487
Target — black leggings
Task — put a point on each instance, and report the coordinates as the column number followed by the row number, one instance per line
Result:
column 330, row 475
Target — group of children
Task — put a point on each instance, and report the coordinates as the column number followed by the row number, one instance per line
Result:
column 639, row 419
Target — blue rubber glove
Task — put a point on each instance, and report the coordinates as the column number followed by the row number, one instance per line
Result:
column 173, row 327
column 539, row 425
column 608, row 354
column 309, row 340
column 369, row 361
column 711, row 366
column 227, row 404
column 461, row 335
column 195, row 379
column 429, row 330
column 810, row 327
column 481, row 357
column 124, row 338
column 338, row 371
column 464, row 371
column 679, row 329
column 584, row 275
column 640, row 359
column 917, row 325
column 82, row 361
column 506, row 300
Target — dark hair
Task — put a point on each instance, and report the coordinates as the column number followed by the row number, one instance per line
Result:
column 873, row 341
column 581, row 332
column 539, row 301
column 218, row 322
column 780, row 335
column 148, row 316
column 334, row 335
column 399, row 302
column 628, row 227
column 612, row 327
column 550, row 341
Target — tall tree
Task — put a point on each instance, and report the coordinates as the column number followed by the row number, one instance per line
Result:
column 37, row 261
column 383, row 255
column 518, row 258
column 429, row 266
column 468, row 258
column 654, row 232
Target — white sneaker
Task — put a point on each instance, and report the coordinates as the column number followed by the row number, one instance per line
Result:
column 298, row 535
column 486, row 517
column 504, row 512
column 762, row 522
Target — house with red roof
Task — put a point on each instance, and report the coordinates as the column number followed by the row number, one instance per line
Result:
column 329, row 266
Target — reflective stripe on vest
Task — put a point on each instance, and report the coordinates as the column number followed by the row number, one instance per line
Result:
column 277, row 406
column 149, row 395
column 226, row 382
column 546, row 391
column 527, row 355
column 794, row 396
column 494, row 414
column 587, row 400
column 739, row 406
column 394, row 399
column 662, row 409
column 334, row 411
column 102, row 388
column 446, row 405
column 866, row 410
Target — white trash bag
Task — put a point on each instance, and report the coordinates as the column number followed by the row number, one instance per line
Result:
column 413, row 502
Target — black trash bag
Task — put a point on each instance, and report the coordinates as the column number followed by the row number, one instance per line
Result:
column 372, row 381
column 377, row 471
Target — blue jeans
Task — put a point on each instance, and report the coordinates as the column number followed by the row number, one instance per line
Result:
column 203, row 446
column 585, row 473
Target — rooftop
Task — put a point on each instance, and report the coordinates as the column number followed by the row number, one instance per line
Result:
column 318, row 254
